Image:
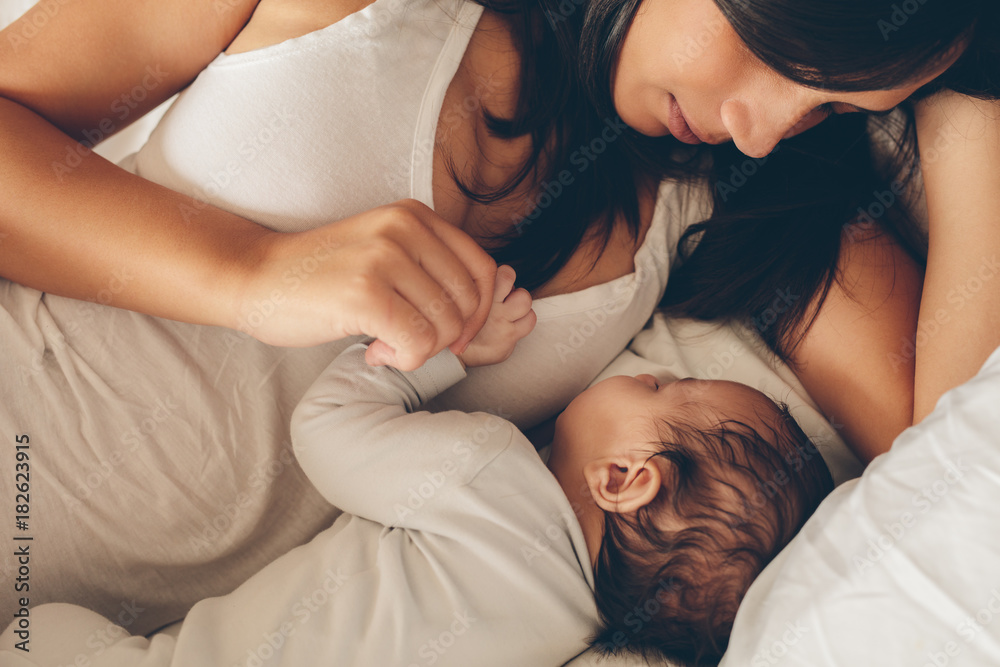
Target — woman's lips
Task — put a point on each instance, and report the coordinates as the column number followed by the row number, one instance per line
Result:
column 678, row 125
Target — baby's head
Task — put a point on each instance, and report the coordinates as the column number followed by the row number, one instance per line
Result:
column 685, row 492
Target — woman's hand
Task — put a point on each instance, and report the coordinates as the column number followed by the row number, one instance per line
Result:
column 399, row 273
column 510, row 320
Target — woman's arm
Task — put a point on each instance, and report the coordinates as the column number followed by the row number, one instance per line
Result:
column 871, row 363
column 959, row 139
column 70, row 222
column 856, row 360
column 73, row 224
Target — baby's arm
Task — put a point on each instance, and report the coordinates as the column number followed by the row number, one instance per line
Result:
column 363, row 443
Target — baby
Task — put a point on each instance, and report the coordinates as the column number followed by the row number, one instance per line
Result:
column 457, row 545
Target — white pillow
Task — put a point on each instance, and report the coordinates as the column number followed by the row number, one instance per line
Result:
column 901, row 567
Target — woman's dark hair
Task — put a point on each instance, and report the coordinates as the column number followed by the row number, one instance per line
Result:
column 858, row 45
column 777, row 224
column 583, row 158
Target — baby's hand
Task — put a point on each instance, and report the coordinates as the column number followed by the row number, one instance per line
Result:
column 510, row 320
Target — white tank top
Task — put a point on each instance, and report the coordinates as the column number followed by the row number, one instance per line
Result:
column 320, row 127
column 341, row 120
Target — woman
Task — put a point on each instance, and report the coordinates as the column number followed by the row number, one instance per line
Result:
column 184, row 480
column 858, row 216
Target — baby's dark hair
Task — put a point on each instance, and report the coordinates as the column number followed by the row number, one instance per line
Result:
column 670, row 576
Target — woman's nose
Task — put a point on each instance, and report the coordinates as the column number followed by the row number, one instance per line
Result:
column 754, row 133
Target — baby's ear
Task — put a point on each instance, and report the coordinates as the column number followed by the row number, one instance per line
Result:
column 623, row 483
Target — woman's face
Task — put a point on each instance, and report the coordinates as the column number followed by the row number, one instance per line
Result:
column 683, row 71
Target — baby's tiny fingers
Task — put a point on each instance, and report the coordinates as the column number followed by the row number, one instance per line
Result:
column 517, row 304
column 524, row 326
column 504, row 283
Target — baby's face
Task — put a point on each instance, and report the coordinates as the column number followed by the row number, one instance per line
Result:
column 623, row 412
column 617, row 423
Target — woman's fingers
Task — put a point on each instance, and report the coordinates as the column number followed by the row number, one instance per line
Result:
column 438, row 259
column 406, row 339
column 447, row 253
column 464, row 271
column 399, row 273
column 435, row 308
column 481, row 270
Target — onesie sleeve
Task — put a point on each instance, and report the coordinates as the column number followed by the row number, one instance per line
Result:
column 360, row 438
